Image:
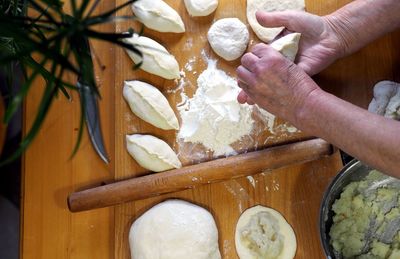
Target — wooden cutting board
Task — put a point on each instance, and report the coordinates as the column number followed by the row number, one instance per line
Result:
column 49, row 230
column 226, row 200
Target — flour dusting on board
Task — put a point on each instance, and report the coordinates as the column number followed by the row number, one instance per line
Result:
column 213, row 117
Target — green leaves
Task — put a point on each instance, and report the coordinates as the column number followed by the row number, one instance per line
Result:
column 56, row 40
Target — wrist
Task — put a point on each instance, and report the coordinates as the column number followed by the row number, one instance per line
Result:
column 342, row 33
column 306, row 116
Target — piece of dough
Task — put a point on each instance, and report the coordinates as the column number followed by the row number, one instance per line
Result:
column 386, row 101
column 263, row 232
column 152, row 153
column 201, row 7
column 156, row 59
column 288, row 45
column 268, row 34
column 149, row 104
column 228, row 37
column 174, row 229
column 157, row 15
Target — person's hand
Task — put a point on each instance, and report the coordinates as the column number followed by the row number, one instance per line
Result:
column 274, row 83
column 320, row 44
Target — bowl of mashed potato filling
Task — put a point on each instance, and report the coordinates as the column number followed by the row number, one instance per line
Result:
column 360, row 214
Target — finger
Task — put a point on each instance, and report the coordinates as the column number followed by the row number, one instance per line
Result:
column 263, row 50
column 259, row 49
column 249, row 60
column 250, row 101
column 242, row 97
column 292, row 20
column 244, row 76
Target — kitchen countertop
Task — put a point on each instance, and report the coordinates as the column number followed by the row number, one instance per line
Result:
column 49, row 230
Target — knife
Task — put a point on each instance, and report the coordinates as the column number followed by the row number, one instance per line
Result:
column 91, row 109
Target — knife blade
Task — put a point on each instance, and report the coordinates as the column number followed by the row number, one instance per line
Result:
column 91, row 110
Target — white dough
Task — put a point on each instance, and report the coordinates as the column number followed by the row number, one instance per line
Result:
column 228, row 37
column 287, row 45
column 386, row 101
column 263, row 232
column 201, row 7
column 174, row 229
column 152, row 153
column 157, row 15
column 156, row 59
column 149, row 104
column 268, row 34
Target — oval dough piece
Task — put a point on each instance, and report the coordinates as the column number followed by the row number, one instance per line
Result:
column 157, row 15
column 201, row 7
column 149, row 104
column 288, row 45
column 228, row 37
column 268, row 34
column 275, row 238
column 174, row 229
column 152, row 153
column 156, row 59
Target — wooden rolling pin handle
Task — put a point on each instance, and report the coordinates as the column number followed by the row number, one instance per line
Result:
column 199, row 174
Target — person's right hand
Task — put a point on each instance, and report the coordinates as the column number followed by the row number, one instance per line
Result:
column 320, row 45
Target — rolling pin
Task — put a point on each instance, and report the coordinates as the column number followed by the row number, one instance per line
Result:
column 199, row 174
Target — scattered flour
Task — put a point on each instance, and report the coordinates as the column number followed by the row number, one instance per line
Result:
column 251, row 181
column 189, row 64
column 213, row 117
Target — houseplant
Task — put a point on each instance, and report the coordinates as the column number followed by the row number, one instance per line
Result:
column 45, row 41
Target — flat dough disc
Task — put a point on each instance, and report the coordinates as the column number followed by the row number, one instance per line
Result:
column 289, row 245
column 268, row 34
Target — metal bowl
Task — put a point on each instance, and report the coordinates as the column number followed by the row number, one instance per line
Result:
column 353, row 171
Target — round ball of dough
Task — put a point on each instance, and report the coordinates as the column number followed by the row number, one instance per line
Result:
column 174, row 229
column 201, row 7
column 263, row 232
column 228, row 37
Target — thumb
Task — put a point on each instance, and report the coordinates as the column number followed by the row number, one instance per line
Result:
column 291, row 20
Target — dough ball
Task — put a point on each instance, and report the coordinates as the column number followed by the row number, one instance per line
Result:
column 149, row 104
column 228, row 37
column 264, row 233
column 158, row 15
column 263, row 33
column 288, row 45
column 152, row 153
column 201, row 7
column 174, row 229
column 155, row 60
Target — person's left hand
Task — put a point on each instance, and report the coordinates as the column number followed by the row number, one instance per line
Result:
column 273, row 82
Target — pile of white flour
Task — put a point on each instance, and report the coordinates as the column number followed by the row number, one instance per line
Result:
column 213, row 117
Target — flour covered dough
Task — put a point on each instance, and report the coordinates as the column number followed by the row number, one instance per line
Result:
column 288, row 45
column 152, row 153
column 149, row 104
column 157, row 15
column 228, row 38
column 263, row 232
column 156, row 59
column 174, row 229
column 386, row 101
column 201, row 7
column 268, row 34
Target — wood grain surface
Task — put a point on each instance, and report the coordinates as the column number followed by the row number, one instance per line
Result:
column 49, row 230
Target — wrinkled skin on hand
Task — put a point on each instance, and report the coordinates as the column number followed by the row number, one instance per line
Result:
column 320, row 43
column 277, row 84
column 273, row 82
